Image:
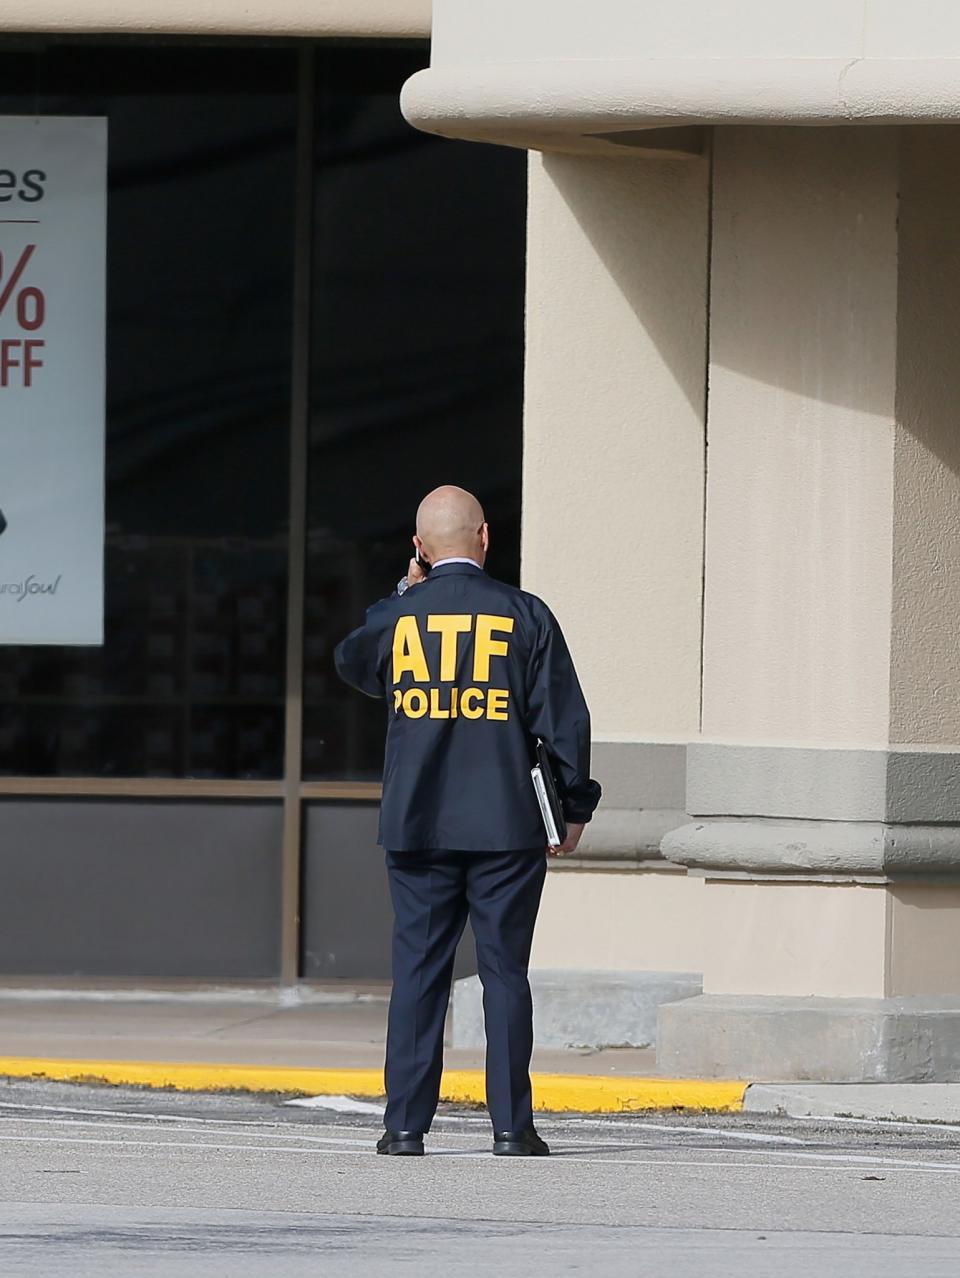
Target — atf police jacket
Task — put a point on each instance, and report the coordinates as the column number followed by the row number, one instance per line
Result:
column 473, row 672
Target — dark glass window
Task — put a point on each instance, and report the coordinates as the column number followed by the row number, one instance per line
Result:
column 190, row 681
column 417, row 364
column 415, row 380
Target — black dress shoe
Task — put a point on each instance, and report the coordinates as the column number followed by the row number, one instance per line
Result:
column 409, row 1143
column 520, row 1144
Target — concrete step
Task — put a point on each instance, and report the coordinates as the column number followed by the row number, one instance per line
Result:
column 582, row 1009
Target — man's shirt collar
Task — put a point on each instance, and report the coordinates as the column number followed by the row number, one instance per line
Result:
column 456, row 560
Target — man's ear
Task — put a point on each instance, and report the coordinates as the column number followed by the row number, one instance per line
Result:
column 485, row 537
column 417, row 543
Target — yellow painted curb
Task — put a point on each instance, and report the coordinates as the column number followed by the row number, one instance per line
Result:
column 613, row 1094
column 188, row 1077
column 580, row 1093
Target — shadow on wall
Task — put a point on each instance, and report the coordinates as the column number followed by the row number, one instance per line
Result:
column 925, row 664
column 804, row 257
column 812, row 231
column 808, row 229
column 639, row 251
column 834, row 312
column 928, row 333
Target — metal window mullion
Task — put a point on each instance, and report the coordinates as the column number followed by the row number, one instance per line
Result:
column 296, row 563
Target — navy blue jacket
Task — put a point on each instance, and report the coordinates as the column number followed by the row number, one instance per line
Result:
column 473, row 672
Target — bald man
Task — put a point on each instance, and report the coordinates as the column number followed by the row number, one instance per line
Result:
column 474, row 673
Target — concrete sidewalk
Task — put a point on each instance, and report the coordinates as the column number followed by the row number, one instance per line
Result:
column 318, row 1028
column 885, row 1102
column 331, row 1040
column 307, row 1041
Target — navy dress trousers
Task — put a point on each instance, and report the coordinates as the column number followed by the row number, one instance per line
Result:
column 473, row 672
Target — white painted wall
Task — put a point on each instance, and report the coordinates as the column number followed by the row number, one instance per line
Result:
column 828, row 940
column 924, row 957
column 634, row 921
column 504, row 31
column 555, row 74
column 613, row 456
column 227, row 17
column 800, row 476
column 924, row 29
column 795, row 939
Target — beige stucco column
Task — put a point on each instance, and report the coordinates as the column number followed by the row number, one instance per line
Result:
column 822, row 777
column 826, row 778
column 613, row 525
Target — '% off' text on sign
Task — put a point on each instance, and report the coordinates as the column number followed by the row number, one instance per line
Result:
column 26, row 307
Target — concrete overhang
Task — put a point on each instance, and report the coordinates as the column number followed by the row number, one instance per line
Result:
column 661, row 105
column 303, row 18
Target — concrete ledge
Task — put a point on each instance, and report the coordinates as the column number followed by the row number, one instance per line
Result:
column 394, row 18
column 575, row 104
column 582, row 1009
column 786, row 782
column 815, row 847
column 578, row 1093
column 643, row 793
column 891, row 785
column 629, row 835
column 855, row 1040
column 613, row 864
column 641, row 774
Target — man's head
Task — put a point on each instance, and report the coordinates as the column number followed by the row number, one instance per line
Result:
column 451, row 525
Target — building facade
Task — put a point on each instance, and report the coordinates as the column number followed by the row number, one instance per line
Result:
column 743, row 271
column 740, row 489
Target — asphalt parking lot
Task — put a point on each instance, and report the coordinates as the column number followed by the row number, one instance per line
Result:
column 122, row 1182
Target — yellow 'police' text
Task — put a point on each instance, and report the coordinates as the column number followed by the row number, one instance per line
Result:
column 409, row 657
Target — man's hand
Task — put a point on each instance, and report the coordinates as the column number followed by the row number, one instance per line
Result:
column 415, row 573
column 574, row 830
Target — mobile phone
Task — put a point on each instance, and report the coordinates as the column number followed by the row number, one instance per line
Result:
column 424, row 564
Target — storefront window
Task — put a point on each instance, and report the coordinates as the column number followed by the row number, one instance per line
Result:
column 417, row 368
column 416, row 338
column 190, row 681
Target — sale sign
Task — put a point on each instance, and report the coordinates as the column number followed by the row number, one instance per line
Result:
column 53, row 216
